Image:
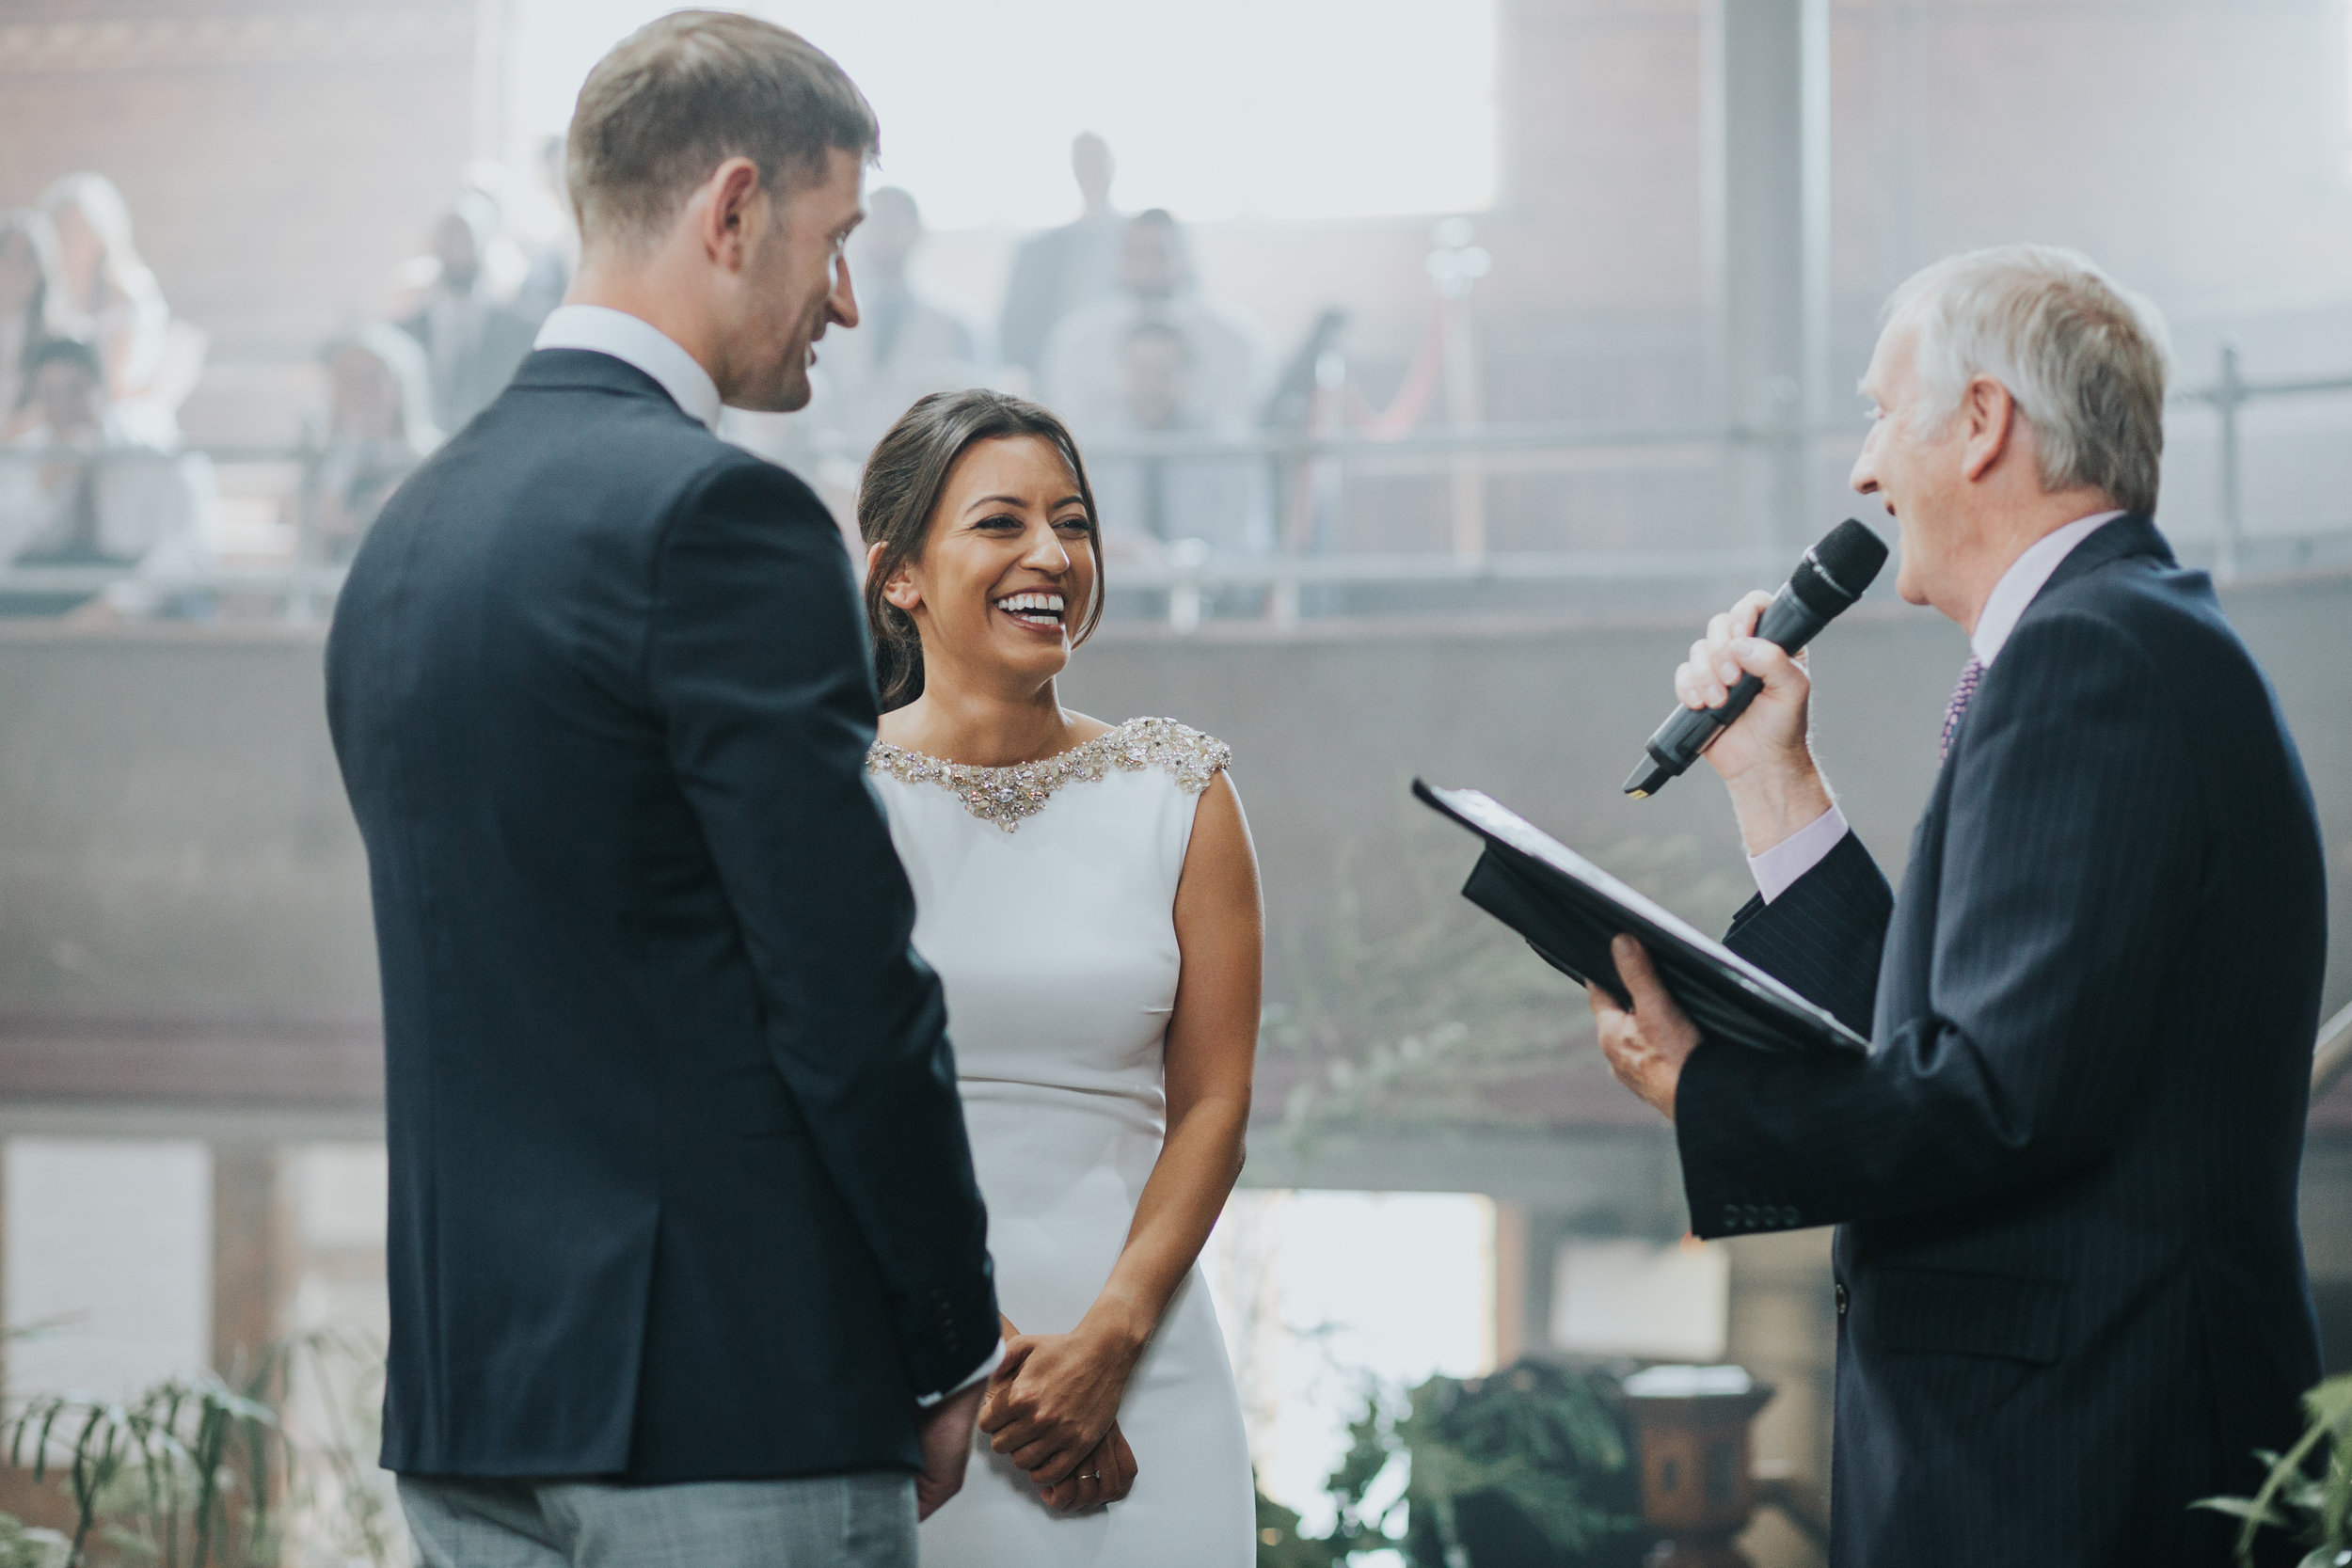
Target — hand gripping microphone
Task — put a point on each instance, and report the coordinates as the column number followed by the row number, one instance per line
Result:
column 1831, row 576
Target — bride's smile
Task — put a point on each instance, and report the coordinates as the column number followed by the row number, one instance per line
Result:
column 1042, row 611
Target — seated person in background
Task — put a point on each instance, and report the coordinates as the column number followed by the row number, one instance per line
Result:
column 472, row 341
column 551, row 246
column 903, row 346
column 32, row 307
column 1085, row 361
column 379, row 427
column 152, row 359
column 1150, row 501
column 104, row 500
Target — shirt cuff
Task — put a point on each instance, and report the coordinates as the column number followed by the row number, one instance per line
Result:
column 1776, row 870
column 977, row 1375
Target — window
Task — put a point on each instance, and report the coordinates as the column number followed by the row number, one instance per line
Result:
column 1216, row 109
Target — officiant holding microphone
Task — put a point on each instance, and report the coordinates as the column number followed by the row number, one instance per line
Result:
column 2070, row 1286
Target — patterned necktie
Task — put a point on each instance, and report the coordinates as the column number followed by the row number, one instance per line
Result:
column 1970, row 673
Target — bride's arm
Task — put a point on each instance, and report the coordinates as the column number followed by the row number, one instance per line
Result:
column 1059, row 1392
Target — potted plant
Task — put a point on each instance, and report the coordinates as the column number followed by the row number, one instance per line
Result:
column 1530, row 1467
column 2314, row 1510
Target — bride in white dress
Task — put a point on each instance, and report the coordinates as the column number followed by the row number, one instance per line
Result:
column 1089, row 895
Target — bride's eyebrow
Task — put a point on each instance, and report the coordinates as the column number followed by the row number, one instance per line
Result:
column 995, row 501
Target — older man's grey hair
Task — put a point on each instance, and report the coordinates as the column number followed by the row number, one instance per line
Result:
column 2082, row 357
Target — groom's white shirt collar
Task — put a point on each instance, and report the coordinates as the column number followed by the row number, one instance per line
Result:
column 635, row 342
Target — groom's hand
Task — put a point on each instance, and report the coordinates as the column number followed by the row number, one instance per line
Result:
column 1647, row 1045
column 945, row 1433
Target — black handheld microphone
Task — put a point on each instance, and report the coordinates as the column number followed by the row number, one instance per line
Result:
column 1831, row 576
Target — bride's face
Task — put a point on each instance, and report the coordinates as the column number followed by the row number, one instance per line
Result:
column 1008, row 571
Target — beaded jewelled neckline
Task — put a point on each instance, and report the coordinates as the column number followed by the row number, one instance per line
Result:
column 1005, row 796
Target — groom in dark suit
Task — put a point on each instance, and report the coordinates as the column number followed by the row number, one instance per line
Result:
column 2070, row 1283
column 687, row 1258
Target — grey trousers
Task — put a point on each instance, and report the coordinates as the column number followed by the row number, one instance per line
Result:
column 865, row 1520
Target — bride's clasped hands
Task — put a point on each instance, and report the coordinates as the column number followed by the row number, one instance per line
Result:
column 1053, row 1408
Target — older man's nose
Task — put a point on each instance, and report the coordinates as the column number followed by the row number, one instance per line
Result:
column 1864, row 478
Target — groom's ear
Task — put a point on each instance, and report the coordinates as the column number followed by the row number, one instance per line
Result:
column 726, row 210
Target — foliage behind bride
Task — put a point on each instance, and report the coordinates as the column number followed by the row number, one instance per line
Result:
column 1410, row 1005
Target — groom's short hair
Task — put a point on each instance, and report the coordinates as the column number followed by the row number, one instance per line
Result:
column 682, row 95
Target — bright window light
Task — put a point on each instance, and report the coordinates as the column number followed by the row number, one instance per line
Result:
column 1324, row 1296
column 1216, row 109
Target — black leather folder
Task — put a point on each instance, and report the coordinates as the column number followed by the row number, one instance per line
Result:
column 1569, row 909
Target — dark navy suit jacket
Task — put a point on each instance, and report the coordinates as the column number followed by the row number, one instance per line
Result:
column 2070, row 1281
column 680, row 1188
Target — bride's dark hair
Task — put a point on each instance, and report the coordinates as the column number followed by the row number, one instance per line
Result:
column 908, row 469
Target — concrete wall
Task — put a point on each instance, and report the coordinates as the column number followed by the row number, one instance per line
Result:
column 174, row 842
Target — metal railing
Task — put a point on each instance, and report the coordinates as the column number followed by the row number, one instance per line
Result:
column 1301, row 470
column 2228, row 396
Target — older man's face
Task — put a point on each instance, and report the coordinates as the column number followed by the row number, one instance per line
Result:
column 1914, row 468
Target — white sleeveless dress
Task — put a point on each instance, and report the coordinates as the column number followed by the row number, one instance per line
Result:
column 1044, row 897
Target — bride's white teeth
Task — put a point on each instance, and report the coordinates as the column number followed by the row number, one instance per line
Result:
column 1035, row 610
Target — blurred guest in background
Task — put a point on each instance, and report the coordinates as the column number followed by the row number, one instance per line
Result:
column 106, row 500
column 864, row 378
column 515, row 224
column 473, row 341
column 902, row 346
column 551, row 246
column 1057, row 272
column 32, row 307
column 153, row 360
column 1146, row 502
column 1085, row 362
column 379, row 427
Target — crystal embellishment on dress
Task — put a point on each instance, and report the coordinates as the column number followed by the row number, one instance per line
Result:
column 1007, row 795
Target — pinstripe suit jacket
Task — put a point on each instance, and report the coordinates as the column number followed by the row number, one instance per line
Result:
column 2070, row 1281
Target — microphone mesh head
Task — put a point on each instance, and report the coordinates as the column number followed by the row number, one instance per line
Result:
column 1850, row 556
